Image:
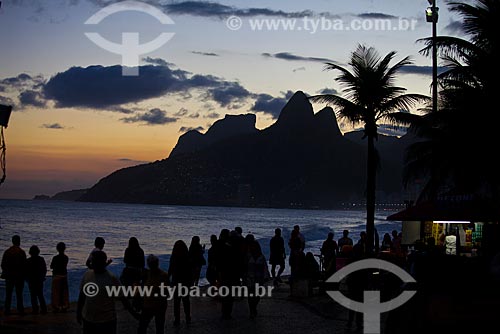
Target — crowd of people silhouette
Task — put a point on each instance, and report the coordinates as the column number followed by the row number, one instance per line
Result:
column 232, row 260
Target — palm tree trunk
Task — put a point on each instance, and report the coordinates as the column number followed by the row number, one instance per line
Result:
column 370, row 193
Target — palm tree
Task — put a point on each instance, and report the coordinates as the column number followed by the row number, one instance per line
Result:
column 371, row 97
column 456, row 153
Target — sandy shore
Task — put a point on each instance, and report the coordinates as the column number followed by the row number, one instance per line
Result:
column 278, row 314
column 283, row 314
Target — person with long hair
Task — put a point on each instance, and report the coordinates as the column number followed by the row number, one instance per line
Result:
column 196, row 258
column 134, row 263
column 180, row 273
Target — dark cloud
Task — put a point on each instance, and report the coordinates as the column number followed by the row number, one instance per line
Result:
column 271, row 105
column 209, row 54
column 376, row 16
column 220, row 11
column 229, row 93
column 32, row 98
column 156, row 61
column 194, row 115
column 22, row 81
column 26, row 88
column 328, row 91
column 6, row 100
column 454, row 27
column 185, row 129
column 208, row 9
column 100, row 87
column 152, row 117
column 420, row 70
column 53, row 126
column 292, row 57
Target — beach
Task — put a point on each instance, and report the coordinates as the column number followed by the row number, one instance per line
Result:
column 279, row 314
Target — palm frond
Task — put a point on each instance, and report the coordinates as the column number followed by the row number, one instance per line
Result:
column 401, row 102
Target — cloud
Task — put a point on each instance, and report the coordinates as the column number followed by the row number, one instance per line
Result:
column 327, row 91
column 21, row 82
column 271, row 105
column 376, row 16
column 156, row 61
column 6, row 100
column 292, row 57
column 53, row 126
column 100, row 87
column 194, row 115
column 212, row 115
column 132, row 161
column 26, row 88
column 208, row 9
column 229, row 93
column 104, row 87
column 299, row 69
column 454, row 27
column 209, row 54
column 182, row 112
column 154, row 116
column 32, row 98
column 220, row 11
column 420, row 70
column 122, row 110
column 185, row 129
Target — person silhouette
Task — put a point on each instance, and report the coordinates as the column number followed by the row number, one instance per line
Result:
column 211, row 255
column 154, row 305
column 345, row 240
column 296, row 254
column 13, row 271
column 36, row 270
column 99, row 245
column 255, row 274
column 60, row 291
column 228, row 269
column 301, row 237
column 329, row 252
column 134, row 263
column 277, row 255
column 196, row 258
column 97, row 313
column 180, row 273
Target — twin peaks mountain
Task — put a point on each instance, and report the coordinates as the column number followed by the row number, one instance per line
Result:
column 302, row 160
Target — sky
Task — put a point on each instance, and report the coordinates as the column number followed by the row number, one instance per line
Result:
column 77, row 118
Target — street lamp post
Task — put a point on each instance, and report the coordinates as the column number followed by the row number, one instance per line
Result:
column 432, row 15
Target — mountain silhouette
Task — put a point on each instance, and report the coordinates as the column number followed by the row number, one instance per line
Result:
column 302, row 160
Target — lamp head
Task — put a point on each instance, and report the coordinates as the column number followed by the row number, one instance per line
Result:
column 5, row 115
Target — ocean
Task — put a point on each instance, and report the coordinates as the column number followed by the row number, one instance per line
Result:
column 157, row 227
